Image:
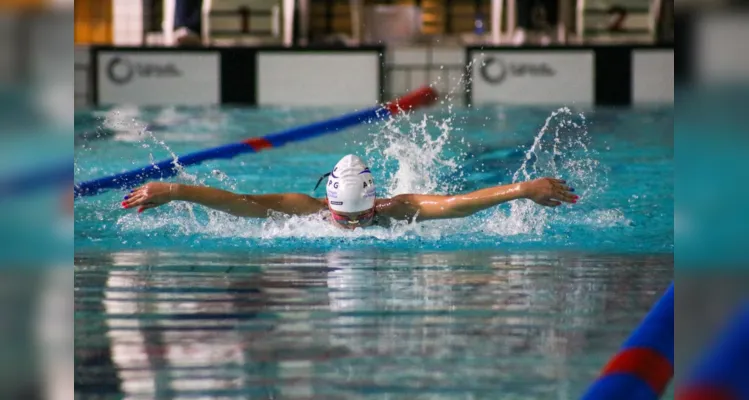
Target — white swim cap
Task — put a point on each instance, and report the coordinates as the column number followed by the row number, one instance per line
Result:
column 350, row 186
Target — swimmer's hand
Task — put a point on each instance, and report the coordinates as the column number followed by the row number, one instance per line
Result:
column 549, row 192
column 151, row 195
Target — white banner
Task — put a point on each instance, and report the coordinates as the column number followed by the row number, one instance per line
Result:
column 533, row 77
column 318, row 79
column 159, row 78
column 653, row 76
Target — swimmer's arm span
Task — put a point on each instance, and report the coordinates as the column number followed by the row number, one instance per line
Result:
column 251, row 206
column 545, row 191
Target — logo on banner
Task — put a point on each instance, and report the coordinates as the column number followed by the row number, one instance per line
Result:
column 495, row 70
column 120, row 70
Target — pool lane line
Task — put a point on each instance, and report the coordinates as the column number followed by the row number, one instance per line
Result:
column 644, row 366
column 168, row 168
column 51, row 176
column 722, row 372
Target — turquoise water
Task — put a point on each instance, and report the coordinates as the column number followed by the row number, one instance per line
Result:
column 517, row 302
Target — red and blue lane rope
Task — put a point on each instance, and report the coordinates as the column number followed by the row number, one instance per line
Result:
column 723, row 372
column 644, row 366
column 51, row 176
column 168, row 168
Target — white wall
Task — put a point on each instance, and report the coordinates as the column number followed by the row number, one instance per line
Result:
column 441, row 67
column 352, row 79
column 313, row 79
column 652, row 76
column 159, row 78
column 533, row 77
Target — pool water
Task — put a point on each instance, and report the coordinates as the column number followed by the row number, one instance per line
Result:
column 516, row 302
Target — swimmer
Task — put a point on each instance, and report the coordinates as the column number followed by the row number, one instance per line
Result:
column 350, row 200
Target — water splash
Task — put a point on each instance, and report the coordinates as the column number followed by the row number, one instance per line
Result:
column 181, row 220
column 181, row 217
column 415, row 155
column 561, row 149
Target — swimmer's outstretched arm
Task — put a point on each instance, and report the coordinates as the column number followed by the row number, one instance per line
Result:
column 155, row 194
column 544, row 191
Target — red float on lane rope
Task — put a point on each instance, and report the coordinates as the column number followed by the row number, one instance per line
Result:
column 705, row 393
column 258, row 143
column 418, row 98
column 643, row 363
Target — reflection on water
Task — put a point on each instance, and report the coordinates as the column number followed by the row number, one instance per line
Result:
column 358, row 324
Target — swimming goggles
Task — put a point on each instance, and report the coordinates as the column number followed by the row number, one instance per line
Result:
column 361, row 219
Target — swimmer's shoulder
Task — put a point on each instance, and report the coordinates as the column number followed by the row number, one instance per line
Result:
column 323, row 203
column 382, row 204
column 385, row 208
column 392, row 206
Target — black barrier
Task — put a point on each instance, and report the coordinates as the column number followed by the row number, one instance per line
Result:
column 609, row 76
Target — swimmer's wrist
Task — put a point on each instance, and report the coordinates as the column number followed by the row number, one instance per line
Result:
column 523, row 190
column 175, row 190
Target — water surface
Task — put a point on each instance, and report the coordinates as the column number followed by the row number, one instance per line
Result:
column 517, row 302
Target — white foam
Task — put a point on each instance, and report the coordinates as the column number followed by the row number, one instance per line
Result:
column 560, row 149
column 419, row 156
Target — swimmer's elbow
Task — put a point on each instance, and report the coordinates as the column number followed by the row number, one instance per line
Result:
column 247, row 206
column 456, row 211
column 443, row 207
column 426, row 207
column 261, row 206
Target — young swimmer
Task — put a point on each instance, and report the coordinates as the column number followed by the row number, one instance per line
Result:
column 351, row 200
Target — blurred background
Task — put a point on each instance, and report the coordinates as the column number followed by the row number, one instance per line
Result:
column 440, row 29
column 362, row 22
column 36, row 204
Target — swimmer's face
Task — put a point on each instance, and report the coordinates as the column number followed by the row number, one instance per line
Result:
column 353, row 220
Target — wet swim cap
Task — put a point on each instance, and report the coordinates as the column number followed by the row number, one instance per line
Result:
column 350, row 186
